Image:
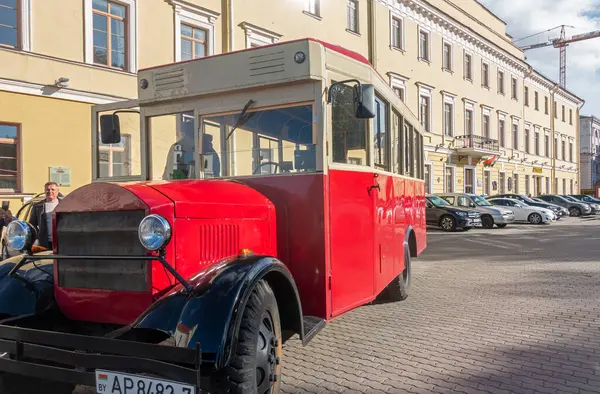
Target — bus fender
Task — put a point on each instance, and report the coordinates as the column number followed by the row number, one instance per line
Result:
column 410, row 240
column 212, row 314
column 30, row 291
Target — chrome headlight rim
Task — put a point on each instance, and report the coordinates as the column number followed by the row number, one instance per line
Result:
column 163, row 226
column 19, row 236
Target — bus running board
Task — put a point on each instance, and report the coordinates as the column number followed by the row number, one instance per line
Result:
column 312, row 326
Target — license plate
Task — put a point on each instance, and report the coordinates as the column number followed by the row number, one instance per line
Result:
column 476, row 220
column 108, row 382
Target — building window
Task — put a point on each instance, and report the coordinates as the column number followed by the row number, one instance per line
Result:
column 447, row 57
column 115, row 159
column 10, row 157
column 110, row 23
column 469, row 180
column 485, row 75
column 487, row 183
column 556, row 148
column 547, row 146
column 193, row 42
column 563, row 150
column 398, row 84
column 536, row 143
column 516, row 178
column 526, row 96
column 564, row 186
column 514, row 87
column 424, row 115
column 423, row 45
column 502, row 183
column 400, row 93
column 501, row 133
column 486, row 125
column 527, row 140
column 397, row 39
column 468, row 122
column 546, row 105
column 555, row 110
column 449, row 180
column 570, row 151
column 548, row 191
column 500, row 82
column 468, row 67
column 9, row 23
column 352, row 16
column 564, row 117
column 312, row 7
column 515, row 135
column 571, row 187
column 527, row 185
column 257, row 36
column 536, row 101
column 448, row 119
column 427, row 178
column 570, row 116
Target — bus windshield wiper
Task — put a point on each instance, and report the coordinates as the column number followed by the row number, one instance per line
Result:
column 242, row 119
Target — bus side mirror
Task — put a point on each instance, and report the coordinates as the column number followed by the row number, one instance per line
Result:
column 110, row 129
column 365, row 102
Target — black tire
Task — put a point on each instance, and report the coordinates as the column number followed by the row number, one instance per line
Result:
column 487, row 222
column 399, row 288
column 574, row 211
column 255, row 366
column 535, row 218
column 448, row 223
column 19, row 384
column 501, row 225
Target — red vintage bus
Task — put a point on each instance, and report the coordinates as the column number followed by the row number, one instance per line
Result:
column 242, row 199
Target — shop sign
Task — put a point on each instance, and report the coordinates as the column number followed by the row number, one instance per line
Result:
column 538, row 170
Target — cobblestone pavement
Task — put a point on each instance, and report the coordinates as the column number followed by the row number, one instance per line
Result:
column 514, row 310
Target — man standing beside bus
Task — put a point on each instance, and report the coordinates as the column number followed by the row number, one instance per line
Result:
column 41, row 214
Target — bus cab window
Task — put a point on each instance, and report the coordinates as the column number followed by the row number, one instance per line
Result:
column 349, row 134
column 172, row 142
column 265, row 142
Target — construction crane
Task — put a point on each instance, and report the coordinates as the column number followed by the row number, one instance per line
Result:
column 561, row 43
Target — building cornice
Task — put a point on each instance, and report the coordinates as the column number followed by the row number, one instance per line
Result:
column 36, row 89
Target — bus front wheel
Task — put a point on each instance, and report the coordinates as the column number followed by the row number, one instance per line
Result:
column 256, row 365
column 398, row 289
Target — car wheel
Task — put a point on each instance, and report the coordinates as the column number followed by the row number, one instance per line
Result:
column 448, row 223
column 487, row 221
column 535, row 218
column 255, row 364
column 574, row 211
column 501, row 225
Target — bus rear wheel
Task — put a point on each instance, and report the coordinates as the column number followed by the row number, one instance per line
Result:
column 255, row 367
column 398, row 289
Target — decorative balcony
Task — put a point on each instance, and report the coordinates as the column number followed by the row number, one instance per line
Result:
column 476, row 145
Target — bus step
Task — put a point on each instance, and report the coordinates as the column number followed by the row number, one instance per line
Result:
column 312, row 326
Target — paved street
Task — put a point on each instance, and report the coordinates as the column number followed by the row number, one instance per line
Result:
column 507, row 310
column 514, row 310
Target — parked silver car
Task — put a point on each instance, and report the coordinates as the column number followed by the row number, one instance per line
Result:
column 490, row 215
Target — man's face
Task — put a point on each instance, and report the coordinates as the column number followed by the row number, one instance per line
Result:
column 51, row 192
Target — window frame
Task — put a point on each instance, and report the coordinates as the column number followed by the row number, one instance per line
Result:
column 352, row 7
column 426, row 93
column 131, row 43
column 449, row 100
column 429, row 178
column 485, row 75
column 450, row 63
column 427, row 33
column 501, row 81
column 386, row 165
column 111, row 150
column 257, row 36
column 502, row 132
column 536, row 98
column 316, row 4
column 526, row 96
column 452, row 169
column 19, row 158
column 198, row 18
column 23, row 26
column 468, row 71
column 400, row 36
column 514, row 88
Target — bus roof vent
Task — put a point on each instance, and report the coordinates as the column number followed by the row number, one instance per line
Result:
column 169, row 79
column 264, row 63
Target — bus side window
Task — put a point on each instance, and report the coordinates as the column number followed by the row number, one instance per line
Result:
column 407, row 148
column 397, row 144
column 349, row 134
column 381, row 134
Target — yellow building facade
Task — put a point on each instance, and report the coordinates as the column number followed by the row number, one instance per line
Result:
column 492, row 122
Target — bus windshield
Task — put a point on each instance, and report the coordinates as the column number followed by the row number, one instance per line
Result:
column 273, row 141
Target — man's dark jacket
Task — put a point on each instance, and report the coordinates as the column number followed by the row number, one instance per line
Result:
column 37, row 218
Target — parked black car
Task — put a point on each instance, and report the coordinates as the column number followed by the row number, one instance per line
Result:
column 586, row 198
column 440, row 213
column 575, row 208
column 595, row 206
column 523, row 198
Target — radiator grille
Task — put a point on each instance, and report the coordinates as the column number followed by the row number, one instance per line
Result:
column 218, row 241
column 104, row 234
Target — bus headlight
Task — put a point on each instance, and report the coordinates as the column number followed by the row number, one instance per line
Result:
column 19, row 236
column 154, row 232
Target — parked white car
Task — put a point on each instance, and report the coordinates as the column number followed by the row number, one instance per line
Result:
column 524, row 212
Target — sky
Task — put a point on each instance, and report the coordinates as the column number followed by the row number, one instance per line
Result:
column 527, row 17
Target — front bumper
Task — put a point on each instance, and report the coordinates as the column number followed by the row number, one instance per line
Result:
column 73, row 359
column 467, row 221
column 504, row 219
